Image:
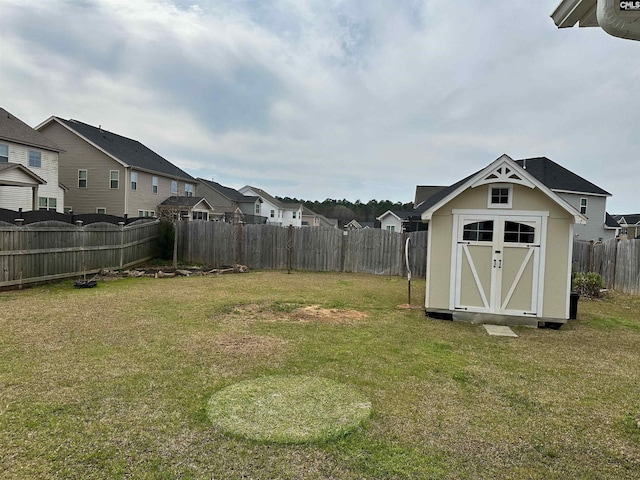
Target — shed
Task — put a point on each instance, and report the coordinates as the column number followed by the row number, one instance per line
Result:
column 500, row 249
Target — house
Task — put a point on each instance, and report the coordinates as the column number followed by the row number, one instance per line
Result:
column 229, row 204
column 313, row 219
column 108, row 173
column 401, row 221
column 629, row 224
column 277, row 212
column 356, row 225
column 186, row 208
column 425, row 191
column 500, row 248
column 28, row 167
column 589, row 199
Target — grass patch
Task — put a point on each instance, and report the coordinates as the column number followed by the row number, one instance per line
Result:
column 115, row 382
column 288, row 409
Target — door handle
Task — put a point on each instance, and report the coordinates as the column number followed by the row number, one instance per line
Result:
column 494, row 263
column 499, row 263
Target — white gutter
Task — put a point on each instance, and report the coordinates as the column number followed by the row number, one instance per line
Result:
column 618, row 22
column 619, row 18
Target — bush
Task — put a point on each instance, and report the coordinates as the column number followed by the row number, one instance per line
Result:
column 588, row 284
column 165, row 239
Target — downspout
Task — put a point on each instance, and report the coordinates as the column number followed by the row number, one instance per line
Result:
column 618, row 22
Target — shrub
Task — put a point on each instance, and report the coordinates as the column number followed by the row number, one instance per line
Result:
column 165, row 239
column 588, row 284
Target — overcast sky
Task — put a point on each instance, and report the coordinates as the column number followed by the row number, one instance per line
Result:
column 316, row 99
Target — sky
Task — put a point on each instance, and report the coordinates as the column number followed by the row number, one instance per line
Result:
column 344, row 99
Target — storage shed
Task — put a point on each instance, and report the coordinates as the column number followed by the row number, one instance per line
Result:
column 500, row 249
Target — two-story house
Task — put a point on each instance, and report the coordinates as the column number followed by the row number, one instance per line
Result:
column 28, row 167
column 277, row 212
column 108, row 173
column 587, row 198
column 229, row 204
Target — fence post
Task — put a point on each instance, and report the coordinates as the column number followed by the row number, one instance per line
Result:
column 121, row 224
column 343, row 249
column 289, row 247
column 591, row 257
column 615, row 263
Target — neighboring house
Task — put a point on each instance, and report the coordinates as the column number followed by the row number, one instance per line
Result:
column 28, row 167
column 589, row 199
column 425, row 191
column 356, row 225
column 277, row 212
column 401, row 221
column 629, row 224
column 313, row 219
column 108, row 173
column 186, row 208
column 229, row 204
column 500, row 249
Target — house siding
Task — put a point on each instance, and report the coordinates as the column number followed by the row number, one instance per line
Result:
column 596, row 208
column 21, row 197
column 220, row 203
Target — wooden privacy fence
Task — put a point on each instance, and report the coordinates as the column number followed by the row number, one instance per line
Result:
column 313, row 249
column 52, row 250
column 617, row 261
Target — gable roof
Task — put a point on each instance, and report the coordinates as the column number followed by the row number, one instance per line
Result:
column 610, row 222
column 273, row 200
column 628, row 219
column 125, row 150
column 8, row 166
column 182, row 201
column 14, row 130
column 558, row 178
column 228, row 192
column 401, row 214
column 504, row 168
column 423, row 192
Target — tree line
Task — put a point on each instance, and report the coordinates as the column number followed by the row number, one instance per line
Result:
column 345, row 211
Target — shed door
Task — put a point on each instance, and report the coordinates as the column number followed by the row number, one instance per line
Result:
column 497, row 264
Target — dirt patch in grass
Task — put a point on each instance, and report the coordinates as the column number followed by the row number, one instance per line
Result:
column 315, row 313
column 285, row 312
column 252, row 345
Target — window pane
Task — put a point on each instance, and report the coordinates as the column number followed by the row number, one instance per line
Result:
column 478, row 231
column 35, row 159
column 518, row 232
column 4, row 153
column 82, row 178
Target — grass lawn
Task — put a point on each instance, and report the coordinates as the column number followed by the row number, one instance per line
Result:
column 115, row 381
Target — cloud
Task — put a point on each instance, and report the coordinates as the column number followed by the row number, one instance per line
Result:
column 316, row 98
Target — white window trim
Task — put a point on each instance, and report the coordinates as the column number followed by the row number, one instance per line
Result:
column 154, row 185
column 134, row 181
column 509, row 187
column 29, row 158
column 174, row 191
column 101, row 208
column 86, row 177
column 116, row 179
column 586, row 205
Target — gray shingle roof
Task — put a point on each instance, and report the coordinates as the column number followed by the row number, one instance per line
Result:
column 129, row 151
column 228, row 192
column 14, row 130
column 556, row 177
column 182, row 201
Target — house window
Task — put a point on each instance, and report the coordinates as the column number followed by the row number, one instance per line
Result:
column 518, row 232
column 188, row 190
column 200, row 215
column 4, row 153
column 478, row 231
column 146, row 213
column 134, row 180
column 82, row 179
column 35, row 159
column 391, row 228
column 154, row 184
column 47, row 204
column 114, row 179
column 257, row 209
column 174, row 186
column 273, row 213
column 583, row 206
column 101, row 210
column 294, row 214
column 68, row 210
column 499, row 196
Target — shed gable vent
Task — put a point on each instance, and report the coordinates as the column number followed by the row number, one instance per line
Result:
column 502, row 173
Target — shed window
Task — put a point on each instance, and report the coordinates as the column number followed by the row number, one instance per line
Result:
column 518, row 232
column 478, row 231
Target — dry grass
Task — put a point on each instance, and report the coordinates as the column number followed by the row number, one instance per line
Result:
column 113, row 382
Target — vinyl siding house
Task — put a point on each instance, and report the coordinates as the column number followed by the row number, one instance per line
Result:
column 401, row 221
column 277, row 212
column 587, row 198
column 313, row 219
column 108, row 173
column 229, row 204
column 500, row 249
column 28, row 167
column 186, row 208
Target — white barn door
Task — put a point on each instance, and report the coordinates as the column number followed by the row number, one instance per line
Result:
column 497, row 264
